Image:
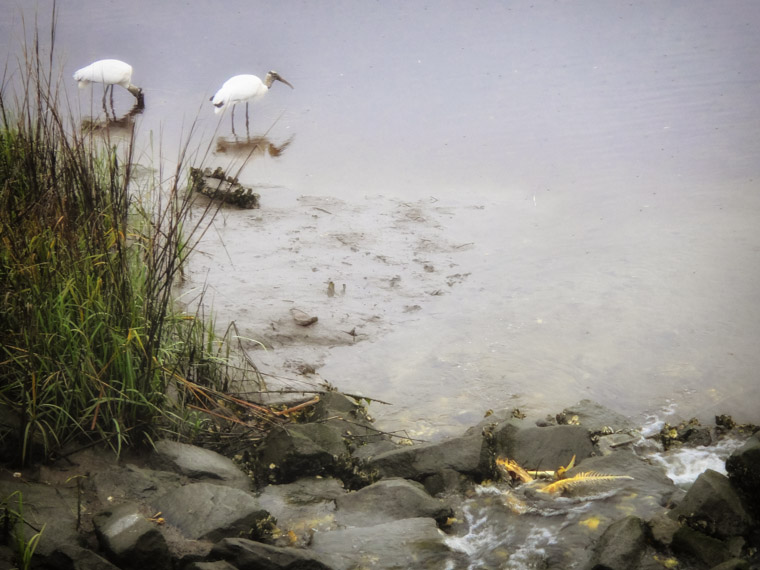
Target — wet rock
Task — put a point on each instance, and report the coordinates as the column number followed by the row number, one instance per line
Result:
column 129, row 539
column 198, row 463
column 302, row 507
column 389, row 500
column 392, row 523
column 697, row 549
column 246, row 554
column 43, row 505
column 596, row 418
column 648, row 491
column 130, row 482
column 689, row 433
column 345, row 414
column 369, row 451
column 210, row 512
column 216, row 565
column 447, row 481
column 607, row 444
column 712, row 506
column 71, row 557
column 408, row 543
column 733, row 564
column 544, row 448
column 743, row 467
column 621, row 546
column 289, row 453
column 7, row 558
column 662, row 529
column 468, row 454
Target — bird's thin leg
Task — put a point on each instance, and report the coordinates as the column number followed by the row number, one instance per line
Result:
column 247, row 133
column 233, row 119
column 105, row 94
column 112, row 109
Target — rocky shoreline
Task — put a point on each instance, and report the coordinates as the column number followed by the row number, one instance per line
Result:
column 334, row 493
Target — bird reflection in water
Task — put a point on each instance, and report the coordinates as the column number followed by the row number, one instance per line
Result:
column 112, row 123
column 251, row 146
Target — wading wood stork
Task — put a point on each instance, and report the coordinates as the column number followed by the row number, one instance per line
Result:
column 243, row 88
column 109, row 72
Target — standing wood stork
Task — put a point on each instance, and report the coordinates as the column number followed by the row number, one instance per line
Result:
column 244, row 88
column 109, row 72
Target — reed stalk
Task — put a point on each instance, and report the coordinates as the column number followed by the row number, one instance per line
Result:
column 90, row 337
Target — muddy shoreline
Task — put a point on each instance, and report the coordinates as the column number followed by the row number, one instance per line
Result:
column 358, row 271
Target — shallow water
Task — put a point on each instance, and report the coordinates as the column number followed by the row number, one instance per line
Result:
column 528, row 203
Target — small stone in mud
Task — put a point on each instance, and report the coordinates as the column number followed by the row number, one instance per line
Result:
column 303, row 319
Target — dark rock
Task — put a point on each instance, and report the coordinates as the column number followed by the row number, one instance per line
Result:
column 371, row 450
column 698, row 549
column 662, row 529
column 733, row 564
column 70, row 557
column 130, row 483
column 543, row 448
column 303, row 507
column 615, row 442
column 389, row 500
column 334, row 403
column 645, row 494
column 408, row 543
column 289, row 453
column 689, row 433
column 713, row 507
column 211, row 512
column 348, row 416
column 129, row 539
column 216, row 565
column 246, row 554
column 199, row 463
column 595, row 418
column 621, row 546
column 446, row 481
column 7, row 558
column 41, row 505
column 743, row 467
column 467, row 454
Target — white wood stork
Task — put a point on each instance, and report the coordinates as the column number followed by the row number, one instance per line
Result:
column 109, row 72
column 244, row 88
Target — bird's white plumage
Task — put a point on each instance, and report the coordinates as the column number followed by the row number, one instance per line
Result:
column 238, row 89
column 106, row 71
column 244, row 88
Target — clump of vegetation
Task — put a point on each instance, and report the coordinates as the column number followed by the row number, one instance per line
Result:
column 91, row 345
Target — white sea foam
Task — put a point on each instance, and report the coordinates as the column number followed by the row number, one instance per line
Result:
column 683, row 465
column 532, row 551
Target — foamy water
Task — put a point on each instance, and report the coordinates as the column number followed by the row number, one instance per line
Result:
column 549, row 528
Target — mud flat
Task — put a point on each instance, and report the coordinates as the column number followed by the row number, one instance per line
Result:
column 303, row 276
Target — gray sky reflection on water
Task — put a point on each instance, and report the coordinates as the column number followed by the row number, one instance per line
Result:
column 613, row 148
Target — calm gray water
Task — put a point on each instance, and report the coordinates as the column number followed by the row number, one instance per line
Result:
column 588, row 170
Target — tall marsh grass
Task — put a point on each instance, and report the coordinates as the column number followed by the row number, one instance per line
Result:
column 90, row 340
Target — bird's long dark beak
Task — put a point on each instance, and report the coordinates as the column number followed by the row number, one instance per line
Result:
column 285, row 81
